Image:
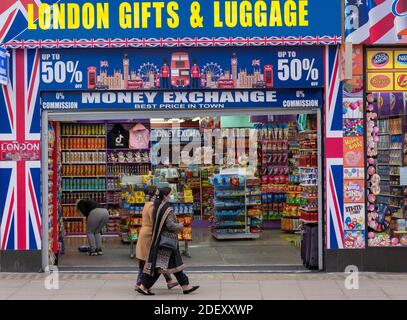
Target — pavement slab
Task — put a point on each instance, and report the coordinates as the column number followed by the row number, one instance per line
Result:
column 213, row 286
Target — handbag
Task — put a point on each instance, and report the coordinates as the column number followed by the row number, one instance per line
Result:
column 168, row 243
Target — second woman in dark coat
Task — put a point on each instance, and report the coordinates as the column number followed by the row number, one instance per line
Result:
column 162, row 259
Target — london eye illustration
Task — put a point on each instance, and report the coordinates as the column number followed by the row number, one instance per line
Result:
column 214, row 70
column 146, row 70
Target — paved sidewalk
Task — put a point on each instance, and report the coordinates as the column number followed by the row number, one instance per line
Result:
column 213, row 286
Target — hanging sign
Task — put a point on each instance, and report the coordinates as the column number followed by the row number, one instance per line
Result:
column 182, row 100
column 187, row 68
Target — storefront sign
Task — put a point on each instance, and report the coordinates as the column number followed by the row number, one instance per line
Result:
column 16, row 151
column 380, row 81
column 380, row 59
column 400, row 59
column 69, row 20
column 3, row 66
column 171, row 100
column 187, row 68
column 394, row 65
column 400, row 81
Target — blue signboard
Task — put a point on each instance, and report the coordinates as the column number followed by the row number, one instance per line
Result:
column 186, row 68
column 151, row 19
column 181, row 100
column 3, row 66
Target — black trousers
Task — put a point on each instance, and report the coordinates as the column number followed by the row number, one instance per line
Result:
column 167, row 276
column 195, row 83
column 148, row 281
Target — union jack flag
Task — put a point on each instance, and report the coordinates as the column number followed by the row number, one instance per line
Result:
column 376, row 21
column 20, row 218
column 104, row 63
column 255, row 62
column 333, row 153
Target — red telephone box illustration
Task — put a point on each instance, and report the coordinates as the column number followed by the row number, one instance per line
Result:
column 268, row 75
column 92, row 77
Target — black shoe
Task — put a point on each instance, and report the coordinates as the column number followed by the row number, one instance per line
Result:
column 190, row 290
column 172, row 285
column 146, row 293
column 92, row 253
column 99, row 252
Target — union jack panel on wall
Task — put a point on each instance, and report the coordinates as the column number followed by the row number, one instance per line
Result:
column 20, row 215
column 333, row 151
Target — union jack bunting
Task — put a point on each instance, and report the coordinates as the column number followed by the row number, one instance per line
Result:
column 376, row 21
column 171, row 42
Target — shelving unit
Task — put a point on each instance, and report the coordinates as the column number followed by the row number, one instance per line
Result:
column 308, row 170
column 231, row 220
column 290, row 221
column 253, row 204
column 392, row 156
column 207, row 192
column 273, row 168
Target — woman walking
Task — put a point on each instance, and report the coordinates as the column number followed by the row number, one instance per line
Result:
column 97, row 217
column 144, row 238
column 164, row 255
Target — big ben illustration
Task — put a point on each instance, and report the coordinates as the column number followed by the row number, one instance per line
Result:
column 233, row 62
column 126, row 70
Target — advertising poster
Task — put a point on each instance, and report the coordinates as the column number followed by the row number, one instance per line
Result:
column 354, row 173
column 390, row 103
column 354, row 239
column 354, row 191
column 352, row 108
column 352, row 127
column 353, row 152
column 354, row 216
column 186, row 68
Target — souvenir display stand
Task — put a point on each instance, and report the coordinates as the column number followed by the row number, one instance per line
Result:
column 231, row 220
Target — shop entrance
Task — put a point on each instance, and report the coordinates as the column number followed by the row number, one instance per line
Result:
column 245, row 186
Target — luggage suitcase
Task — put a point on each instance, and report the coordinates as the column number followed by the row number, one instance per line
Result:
column 304, row 244
column 313, row 255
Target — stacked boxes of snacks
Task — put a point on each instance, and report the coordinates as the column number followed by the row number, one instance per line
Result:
column 273, row 168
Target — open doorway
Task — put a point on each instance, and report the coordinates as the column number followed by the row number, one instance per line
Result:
column 244, row 186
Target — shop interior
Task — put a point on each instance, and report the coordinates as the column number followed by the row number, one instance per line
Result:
column 243, row 194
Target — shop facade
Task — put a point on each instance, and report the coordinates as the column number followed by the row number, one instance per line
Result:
column 71, row 78
column 376, row 32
